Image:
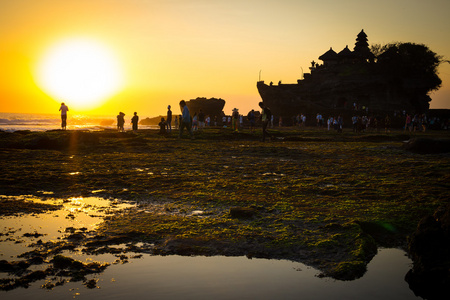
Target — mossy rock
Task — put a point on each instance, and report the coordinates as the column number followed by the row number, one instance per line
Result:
column 427, row 145
column 242, row 212
column 348, row 270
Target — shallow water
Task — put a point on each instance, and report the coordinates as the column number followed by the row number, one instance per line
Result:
column 177, row 277
column 11, row 122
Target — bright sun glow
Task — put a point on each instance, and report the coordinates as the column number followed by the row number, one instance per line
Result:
column 80, row 72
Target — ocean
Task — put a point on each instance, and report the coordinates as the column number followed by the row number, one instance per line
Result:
column 11, row 122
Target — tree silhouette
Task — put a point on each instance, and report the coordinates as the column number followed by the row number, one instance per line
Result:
column 411, row 68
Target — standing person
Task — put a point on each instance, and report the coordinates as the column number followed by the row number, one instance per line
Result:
column 330, row 122
column 266, row 115
column 63, row 109
column 120, row 122
column 355, row 123
column 176, row 122
column 195, row 122
column 387, row 124
column 408, row 122
column 235, row 120
column 169, row 119
column 134, row 121
column 201, row 119
column 251, row 119
column 340, row 123
column 424, row 123
column 185, row 119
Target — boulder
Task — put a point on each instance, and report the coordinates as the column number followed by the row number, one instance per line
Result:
column 211, row 107
column 427, row 145
column 429, row 248
column 242, row 212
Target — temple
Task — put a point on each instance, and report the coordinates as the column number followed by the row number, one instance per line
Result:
column 345, row 79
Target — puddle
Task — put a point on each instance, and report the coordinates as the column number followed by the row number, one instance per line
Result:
column 145, row 276
column 177, row 277
column 17, row 232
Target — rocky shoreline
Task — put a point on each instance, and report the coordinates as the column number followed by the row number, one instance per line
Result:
column 322, row 198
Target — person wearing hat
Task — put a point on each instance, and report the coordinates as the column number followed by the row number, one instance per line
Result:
column 169, row 119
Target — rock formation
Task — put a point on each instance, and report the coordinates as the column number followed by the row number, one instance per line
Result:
column 429, row 248
column 211, row 107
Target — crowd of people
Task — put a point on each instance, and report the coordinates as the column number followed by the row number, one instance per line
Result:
column 237, row 121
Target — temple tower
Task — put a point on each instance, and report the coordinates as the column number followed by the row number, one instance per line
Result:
column 361, row 48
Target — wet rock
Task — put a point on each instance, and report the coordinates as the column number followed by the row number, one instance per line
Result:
column 429, row 248
column 427, row 145
column 100, row 240
column 36, row 260
column 13, row 267
column 35, row 234
column 70, row 229
column 52, row 140
column 76, row 237
column 41, row 142
column 91, row 284
column 62, row 262
column 385, row 234
column 242, row 212
column 36, row 275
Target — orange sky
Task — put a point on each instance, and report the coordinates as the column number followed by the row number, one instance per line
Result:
column 182, row 49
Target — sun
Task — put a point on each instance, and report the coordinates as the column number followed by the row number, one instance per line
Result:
column 81, row 72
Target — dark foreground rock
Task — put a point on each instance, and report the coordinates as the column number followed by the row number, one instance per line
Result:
column 427, row 145
column 242, row 212
column 429, row 248
column 51, row 140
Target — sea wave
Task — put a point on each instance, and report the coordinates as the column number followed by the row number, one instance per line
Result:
column 11, row 122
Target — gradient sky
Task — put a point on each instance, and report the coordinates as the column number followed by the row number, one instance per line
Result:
column 182, row 49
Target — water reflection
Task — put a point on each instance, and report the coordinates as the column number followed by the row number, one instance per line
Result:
column 76, row 212
column 177, row 277
column 240, row 278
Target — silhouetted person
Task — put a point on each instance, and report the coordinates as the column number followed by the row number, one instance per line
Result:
column 63, row 109
column 134, row 121
column 251, row 119
column 195, row 122
column 201, row 119
column 266, row 115
column 120, row 122
column 176, row 122
column 162, row 127
column 185, row 120
column 235, row 120
column 169, row 119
